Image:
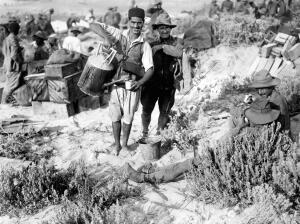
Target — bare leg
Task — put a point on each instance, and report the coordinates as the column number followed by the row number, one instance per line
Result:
column 125, row 137
column 116, row 126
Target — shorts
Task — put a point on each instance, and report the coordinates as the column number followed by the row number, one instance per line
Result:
column 123, row 104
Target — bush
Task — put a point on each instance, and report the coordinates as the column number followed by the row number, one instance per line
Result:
column 229, row 171
column 270, row 207
column 98, row 203
column 241, row 29
column 31, row 188
column 181, row 132
column 290, row 88
column 23, row 145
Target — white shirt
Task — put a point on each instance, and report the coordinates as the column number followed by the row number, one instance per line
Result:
column 72, row 43
column 147, row 59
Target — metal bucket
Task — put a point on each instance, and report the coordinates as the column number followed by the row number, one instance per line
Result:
column 150, row 149
column 96, row 72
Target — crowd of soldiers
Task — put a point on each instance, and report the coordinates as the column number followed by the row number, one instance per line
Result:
column 271, row 8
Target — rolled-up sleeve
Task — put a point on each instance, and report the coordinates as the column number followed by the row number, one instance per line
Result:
column 147, row 58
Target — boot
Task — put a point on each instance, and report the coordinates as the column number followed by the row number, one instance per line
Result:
column 163, row 120
column 133, row 174
column 146, row 119
column 116, row 126
column 126, row 133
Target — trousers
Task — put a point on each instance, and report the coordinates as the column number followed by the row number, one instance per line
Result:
column 170, row 172
column 149, row 97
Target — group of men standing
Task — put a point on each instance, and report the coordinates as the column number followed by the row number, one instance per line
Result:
column 158, row 60
column 272, row 8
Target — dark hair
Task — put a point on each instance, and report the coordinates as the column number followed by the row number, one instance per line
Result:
column 13, row 27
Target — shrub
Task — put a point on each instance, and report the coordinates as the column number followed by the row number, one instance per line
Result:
column 22, row 145
column 181, row 131
column 290, row 88
column 241, row 29
column 229, row 171
column 270, row 207
column 98, row 203
column 31, row 188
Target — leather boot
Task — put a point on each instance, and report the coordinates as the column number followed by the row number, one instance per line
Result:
column 133, row 174
column 146, row 119
column 116, row 126
column 126, row 133
column 163, row 120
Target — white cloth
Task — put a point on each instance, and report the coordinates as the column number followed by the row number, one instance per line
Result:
column 147, row 59
column 72, row 44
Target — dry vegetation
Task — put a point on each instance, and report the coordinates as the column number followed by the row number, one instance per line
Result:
column 233, row 170
column 26, row 145
column 84, row 199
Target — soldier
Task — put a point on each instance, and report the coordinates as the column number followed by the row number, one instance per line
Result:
column 242, row 7
column 44, row 23
column 72, row 42
column 227, row 6
column 259, row 114
column 276, row 8
column 41, row 50
column 214, row 10
column 161, row 87
column 137, row 56
column 265, row 84
column 13, row 61
column 30, row 26
column 112, row 17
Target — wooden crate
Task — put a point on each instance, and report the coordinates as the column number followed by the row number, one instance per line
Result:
column 64, row 90
column 62, row 110
column 62, row 70
column 39, row 87
column 281, row 38
column 294, row 52
column 266, row 50
column 35, row 67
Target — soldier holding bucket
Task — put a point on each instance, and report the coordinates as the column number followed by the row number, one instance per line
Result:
column 136, row 68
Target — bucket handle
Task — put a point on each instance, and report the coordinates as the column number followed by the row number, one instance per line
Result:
column 110, row 56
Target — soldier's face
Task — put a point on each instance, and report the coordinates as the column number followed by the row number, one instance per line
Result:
column 158, row 6
column 136, row 25
column 164, row 31
column 265, row 91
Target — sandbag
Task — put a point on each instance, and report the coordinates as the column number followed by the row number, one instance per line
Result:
column 200, row 36
column 63, row 56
